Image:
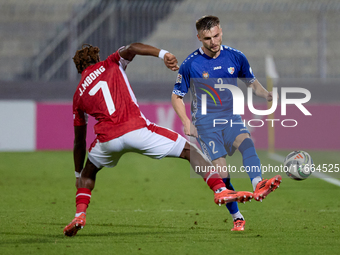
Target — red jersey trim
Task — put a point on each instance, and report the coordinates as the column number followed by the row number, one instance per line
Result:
column 163, row 132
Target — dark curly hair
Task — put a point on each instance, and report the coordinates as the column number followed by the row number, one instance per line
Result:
column 88, row 55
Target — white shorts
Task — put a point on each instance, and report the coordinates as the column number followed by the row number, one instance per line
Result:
column 153, row 141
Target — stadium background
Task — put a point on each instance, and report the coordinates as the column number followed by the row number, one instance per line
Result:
column 39, row 38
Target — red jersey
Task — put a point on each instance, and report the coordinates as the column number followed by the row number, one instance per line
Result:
column 104, row 92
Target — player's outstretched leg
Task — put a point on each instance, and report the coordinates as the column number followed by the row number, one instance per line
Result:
column 262, row 187
column 212, row 178
column 265, row 187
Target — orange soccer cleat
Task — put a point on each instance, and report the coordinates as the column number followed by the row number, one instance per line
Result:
column 264, row 187
column 239, row 225
column 227, row 196
column 77, row 224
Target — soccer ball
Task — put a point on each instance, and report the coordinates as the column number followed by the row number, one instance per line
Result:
column 298, row 165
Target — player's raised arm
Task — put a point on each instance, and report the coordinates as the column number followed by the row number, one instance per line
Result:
column 130, row 51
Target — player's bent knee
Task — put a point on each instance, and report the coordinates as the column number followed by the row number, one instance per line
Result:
column 185, row 154
column 191, row 151
column 246, row 144
column 240, row 139
column 189, row 148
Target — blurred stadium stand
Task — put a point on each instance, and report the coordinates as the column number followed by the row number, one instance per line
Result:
column 25, row 26
column 40, row 37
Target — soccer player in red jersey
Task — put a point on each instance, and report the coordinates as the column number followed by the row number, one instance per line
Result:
column 104, row 92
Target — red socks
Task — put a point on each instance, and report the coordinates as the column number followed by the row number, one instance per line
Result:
column 214, row 181
column 83, row 197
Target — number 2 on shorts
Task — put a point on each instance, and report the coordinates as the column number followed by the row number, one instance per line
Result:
column 212, row 143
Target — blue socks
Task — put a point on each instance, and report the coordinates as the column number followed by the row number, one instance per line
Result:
column 252, row 165
column 251, row 161
column 232, row 207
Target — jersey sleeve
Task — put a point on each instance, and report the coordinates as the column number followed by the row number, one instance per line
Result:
column 116, row 58
column 79, row 117
column 245, row 73
column 182, row 82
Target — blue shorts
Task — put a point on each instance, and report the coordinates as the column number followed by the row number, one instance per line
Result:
column 220, row 143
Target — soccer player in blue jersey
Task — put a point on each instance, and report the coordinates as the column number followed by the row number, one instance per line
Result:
column 210, row 73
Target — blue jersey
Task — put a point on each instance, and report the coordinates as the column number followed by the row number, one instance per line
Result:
column 205, row 77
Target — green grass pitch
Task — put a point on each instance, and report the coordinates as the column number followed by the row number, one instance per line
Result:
column 146, row 206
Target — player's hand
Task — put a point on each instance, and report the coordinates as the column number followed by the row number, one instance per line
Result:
column 190, row 130
column 269, row 96
column 171, row 61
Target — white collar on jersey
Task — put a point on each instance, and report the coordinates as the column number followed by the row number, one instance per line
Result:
column 202, row 52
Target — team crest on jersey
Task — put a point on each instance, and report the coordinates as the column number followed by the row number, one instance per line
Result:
column 179, row 78
column 205, row 75
column 231, row 70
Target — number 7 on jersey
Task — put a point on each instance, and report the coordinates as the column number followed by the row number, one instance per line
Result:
column 107, row 96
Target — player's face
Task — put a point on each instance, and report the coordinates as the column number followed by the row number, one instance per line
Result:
column 211, row 40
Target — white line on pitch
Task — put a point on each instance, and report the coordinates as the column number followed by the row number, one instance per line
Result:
column 322, row 176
